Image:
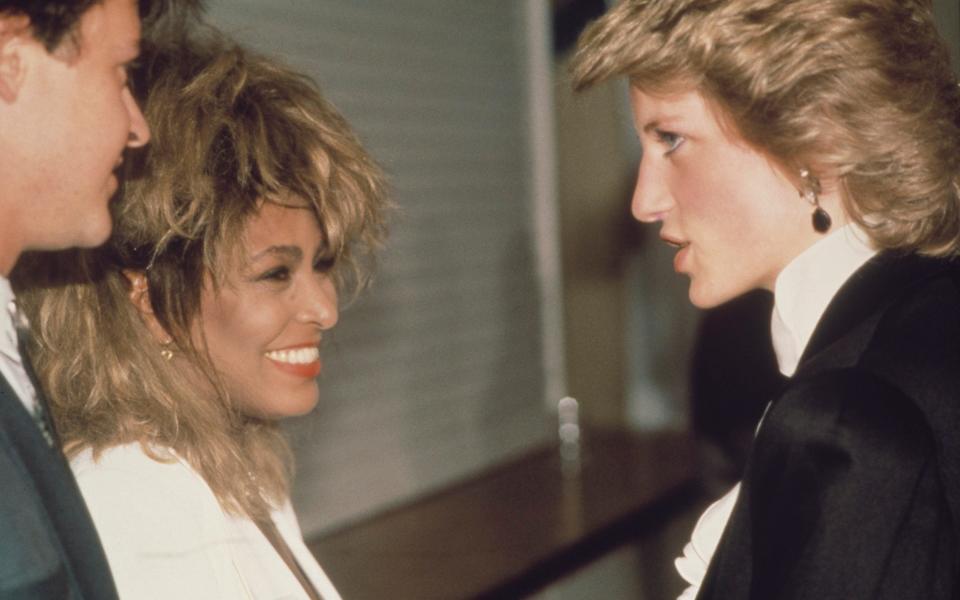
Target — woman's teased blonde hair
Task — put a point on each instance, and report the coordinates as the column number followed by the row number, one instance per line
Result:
column 231, row 130
column 857, row 90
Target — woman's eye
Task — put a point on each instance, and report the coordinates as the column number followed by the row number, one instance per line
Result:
column 671, row 140
column 324, row 264
column 276, row 274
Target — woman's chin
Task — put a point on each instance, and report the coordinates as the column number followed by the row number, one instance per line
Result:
column 705, row 296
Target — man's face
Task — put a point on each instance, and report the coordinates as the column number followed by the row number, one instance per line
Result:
column 75, row 115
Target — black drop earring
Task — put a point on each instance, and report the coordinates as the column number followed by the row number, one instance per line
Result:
column 821, row 220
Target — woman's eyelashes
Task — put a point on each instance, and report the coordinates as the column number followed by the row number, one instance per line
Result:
column 670, row 140
column 322, row 264
column 275, row 274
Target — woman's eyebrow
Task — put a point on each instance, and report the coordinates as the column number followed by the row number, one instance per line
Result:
column 661, row 122
column 651, row 125
column 291, row 252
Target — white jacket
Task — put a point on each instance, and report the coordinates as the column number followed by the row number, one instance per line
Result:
column 166, row 536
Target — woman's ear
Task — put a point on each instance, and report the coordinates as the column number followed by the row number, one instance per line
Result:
column 140, row 299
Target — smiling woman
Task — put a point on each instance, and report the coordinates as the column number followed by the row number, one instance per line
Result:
column 169, row 355
column 264, row 325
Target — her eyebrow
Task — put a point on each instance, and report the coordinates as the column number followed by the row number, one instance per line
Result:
column 290, row 252
column 667, row 122
column 651, row 126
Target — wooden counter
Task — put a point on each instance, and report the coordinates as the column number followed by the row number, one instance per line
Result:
column 517, row 527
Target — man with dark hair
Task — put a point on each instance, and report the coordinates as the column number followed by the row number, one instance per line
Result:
column 49, row 21
column 66, row 116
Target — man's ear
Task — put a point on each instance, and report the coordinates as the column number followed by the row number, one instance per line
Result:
column 140, row 298
column 14, row 31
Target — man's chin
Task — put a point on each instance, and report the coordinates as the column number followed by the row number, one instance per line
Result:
column 95, row 231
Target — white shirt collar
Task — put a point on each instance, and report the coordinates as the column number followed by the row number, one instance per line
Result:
column 11, row 364
column 807, row 285
column 8, row 331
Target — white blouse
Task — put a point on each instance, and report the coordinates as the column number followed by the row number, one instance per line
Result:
column 801, row 294
column 166, row 536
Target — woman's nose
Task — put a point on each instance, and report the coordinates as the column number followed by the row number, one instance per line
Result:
column 320, row 305
column 651, row 196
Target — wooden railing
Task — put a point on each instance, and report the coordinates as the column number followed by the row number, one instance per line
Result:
column 517, row 527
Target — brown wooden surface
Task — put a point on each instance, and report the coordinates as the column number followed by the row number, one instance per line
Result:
column 516, row 527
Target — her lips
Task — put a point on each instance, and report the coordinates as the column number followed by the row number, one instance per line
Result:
column 301, row 362
column 295, row 356
column 676, row 244
column 680, row 257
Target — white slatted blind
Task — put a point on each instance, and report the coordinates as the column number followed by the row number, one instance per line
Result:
column 437, row 372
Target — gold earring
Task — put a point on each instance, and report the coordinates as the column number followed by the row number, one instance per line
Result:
column 165, row 350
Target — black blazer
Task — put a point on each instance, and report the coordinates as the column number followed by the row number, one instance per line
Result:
column 49, row 549
column 852, row 490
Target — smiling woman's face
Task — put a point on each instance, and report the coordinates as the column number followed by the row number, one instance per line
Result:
column 262, row 326
column 735, row 219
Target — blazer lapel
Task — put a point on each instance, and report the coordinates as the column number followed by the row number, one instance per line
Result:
column 850, row 319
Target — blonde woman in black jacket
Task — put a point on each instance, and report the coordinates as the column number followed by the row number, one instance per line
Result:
column 812, row 148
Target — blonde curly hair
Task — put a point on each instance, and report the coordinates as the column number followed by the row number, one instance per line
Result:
column 231, row 130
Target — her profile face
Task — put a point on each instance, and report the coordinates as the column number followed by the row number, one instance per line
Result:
column 264, row 323
column 734, row 218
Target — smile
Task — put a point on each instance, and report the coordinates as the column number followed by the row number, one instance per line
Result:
column 297, row 356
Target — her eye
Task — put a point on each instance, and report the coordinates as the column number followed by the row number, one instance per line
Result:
column 671, row 140
column 275, row 274
column 324, row 264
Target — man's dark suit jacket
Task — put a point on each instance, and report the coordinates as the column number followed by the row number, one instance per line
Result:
column 852, row 490
column 49, row 549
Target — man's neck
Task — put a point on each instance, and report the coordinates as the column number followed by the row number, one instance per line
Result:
column 10, row 247
column 8, row 259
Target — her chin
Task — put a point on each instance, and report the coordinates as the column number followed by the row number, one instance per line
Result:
column 704, row 296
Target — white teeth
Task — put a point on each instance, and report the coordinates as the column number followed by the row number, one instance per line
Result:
column 300, row 356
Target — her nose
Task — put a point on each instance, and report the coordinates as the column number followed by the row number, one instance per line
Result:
column 651, row 198
column 320, row 304
column 139, row 130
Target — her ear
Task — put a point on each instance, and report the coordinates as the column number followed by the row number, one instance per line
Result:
column 140, row 298
column 14, row 30
column 139, row 290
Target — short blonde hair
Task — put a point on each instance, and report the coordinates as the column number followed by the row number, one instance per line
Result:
column 859, row 90
column 231, row 130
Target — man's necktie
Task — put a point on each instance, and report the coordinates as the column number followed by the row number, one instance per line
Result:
column 41, row 412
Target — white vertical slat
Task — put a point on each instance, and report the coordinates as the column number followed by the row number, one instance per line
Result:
column 543, row 151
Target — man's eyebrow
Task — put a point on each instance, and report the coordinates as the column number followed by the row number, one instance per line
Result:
column 291, row 252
